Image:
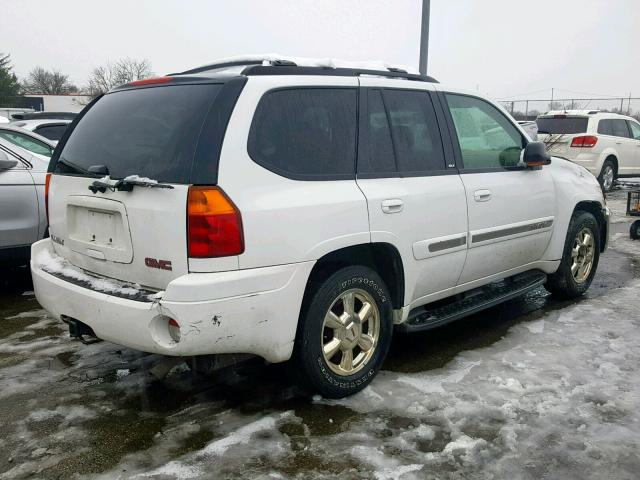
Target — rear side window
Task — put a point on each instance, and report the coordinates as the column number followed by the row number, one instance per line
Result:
column 635, row 130
column 562, row 125
column 403, row 134
column 414, row 131
column 605, row 127
column 306, row 133
column 52, row 132
column 151, row 132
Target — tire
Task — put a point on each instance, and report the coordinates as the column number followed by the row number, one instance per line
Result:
column 566, row 283
column 635, row 230
column 329, row 373
column 608, row 175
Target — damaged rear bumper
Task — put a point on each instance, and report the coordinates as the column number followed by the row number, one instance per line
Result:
column 251, row 311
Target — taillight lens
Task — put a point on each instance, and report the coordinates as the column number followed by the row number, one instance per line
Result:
column 214, row 224
column 46, row 194
column 586, row 141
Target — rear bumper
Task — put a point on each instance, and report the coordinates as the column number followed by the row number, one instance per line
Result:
column 251, row 311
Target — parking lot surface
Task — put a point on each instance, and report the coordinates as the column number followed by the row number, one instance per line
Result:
column 534, row 388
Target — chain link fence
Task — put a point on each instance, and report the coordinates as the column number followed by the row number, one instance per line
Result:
column 530, row 109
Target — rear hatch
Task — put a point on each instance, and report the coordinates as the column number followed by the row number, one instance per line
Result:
column 119, row 185
column 557, row 131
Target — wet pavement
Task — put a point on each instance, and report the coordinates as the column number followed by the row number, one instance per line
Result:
column 508, row 393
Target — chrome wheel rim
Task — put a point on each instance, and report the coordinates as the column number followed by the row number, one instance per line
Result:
column 582, row 255
column 350, row 332
column 607, row 177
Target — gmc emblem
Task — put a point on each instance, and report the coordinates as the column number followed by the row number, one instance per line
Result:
column 161, row 264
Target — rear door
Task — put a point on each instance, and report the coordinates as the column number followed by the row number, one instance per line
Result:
column 135, row 234
column 415, row 197
column 635, row 133
column 511, row 209
column 625, row 145
column 18, row 204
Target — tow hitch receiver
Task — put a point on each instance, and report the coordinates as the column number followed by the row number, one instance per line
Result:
column 80, row 330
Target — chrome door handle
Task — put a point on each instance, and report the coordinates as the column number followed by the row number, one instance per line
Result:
column 482, row 195
column 392, row 205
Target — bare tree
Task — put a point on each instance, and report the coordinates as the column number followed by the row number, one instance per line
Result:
column 47, row 82
column 105, row 77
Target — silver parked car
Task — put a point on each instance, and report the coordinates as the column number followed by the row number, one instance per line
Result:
column 24, row 158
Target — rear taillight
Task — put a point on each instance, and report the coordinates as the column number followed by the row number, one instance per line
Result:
column 47, row 181
column 585, row 141
column 214, row 224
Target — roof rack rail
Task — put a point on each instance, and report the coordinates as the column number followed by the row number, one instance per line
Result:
column 256, row 70
column 237, row 63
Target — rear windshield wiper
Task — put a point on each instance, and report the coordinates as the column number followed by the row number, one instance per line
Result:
column 73, row 166
column 126, row 184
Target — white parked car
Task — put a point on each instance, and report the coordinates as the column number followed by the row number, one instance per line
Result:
column 23, row 166
column 606, row 144
column 50, row 128
column 34, row 143
column 300, row 213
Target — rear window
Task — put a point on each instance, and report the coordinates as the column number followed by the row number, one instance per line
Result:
column 151, row 132
column 568, row 125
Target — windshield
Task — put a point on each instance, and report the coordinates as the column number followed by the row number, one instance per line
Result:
column 151, row 132
column 568, row 125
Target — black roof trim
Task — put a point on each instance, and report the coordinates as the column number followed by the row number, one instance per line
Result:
column 336, row 72
column 215, row 66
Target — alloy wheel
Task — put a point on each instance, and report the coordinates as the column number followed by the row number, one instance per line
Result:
column 607, row 177
column 350, row 332
column 582, row 255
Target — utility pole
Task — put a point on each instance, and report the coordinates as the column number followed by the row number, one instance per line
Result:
column 424, row 36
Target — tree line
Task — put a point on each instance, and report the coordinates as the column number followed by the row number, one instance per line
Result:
column 52, row 82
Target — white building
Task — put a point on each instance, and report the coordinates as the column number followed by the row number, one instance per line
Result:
column 63, row 103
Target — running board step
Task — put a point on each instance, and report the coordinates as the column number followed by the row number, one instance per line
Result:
column 425, row 318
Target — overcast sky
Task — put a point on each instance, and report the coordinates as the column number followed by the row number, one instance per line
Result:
column 503, row 47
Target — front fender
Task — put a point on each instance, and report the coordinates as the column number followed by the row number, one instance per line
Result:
column 573, row 185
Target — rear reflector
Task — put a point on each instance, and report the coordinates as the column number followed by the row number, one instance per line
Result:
column 149, row 81
column 586, row 141
column 214, row 224
column 47, row 181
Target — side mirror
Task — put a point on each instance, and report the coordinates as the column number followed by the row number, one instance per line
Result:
column 536, row 155
column 5, row 162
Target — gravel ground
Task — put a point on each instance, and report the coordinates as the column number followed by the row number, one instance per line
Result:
column 534, row 388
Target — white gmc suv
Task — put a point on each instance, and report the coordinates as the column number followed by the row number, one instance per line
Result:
column 302, row 213
column 606, row 144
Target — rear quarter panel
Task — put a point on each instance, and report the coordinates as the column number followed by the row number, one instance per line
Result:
column 287, row 221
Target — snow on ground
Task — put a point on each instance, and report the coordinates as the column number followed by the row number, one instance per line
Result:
column 556, row 395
